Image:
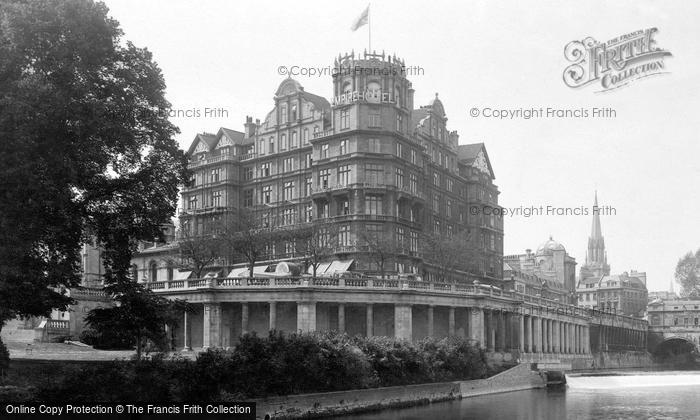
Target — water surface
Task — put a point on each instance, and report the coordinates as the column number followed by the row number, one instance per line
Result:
column 661, row 395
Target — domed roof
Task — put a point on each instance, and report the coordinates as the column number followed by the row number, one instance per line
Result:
column 288, row 87
column 549, row 247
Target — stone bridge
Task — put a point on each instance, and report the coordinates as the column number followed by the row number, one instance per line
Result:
column 674, row 339
column 507, row 324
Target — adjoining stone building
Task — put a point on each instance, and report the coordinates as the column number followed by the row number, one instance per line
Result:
column 549, row 272
column 625, row 293
column 366, row 161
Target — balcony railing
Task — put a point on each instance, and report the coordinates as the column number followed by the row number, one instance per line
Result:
column 321, row 134
column 357, row 185
column 221, row 158
column 373, row 284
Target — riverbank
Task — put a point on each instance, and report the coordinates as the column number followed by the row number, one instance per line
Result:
column 520, row 377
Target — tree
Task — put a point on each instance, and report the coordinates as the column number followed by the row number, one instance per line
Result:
column 446, row 253
column 688, row 274
column 316, row 241
column 198, row 252
column 245, row 235
column 139, row 312
column 382, row 247
column 87, row 150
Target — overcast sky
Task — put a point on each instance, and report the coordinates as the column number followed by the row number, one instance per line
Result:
column 644, row 162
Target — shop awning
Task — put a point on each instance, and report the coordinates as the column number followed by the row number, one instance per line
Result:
column 339, row 266
column 181, row 275
column 321, row 268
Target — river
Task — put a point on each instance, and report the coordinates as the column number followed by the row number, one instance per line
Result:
column 657, row 395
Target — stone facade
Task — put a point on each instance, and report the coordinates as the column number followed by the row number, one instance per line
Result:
column 549, row 272
column 624, row 293
column 367, row 161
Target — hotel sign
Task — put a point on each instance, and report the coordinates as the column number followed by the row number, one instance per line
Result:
column 615, row 63
column 371, row 96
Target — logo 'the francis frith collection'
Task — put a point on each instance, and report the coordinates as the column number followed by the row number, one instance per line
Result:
column 614, row 63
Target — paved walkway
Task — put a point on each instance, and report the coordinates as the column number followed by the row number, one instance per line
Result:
column 63, row 351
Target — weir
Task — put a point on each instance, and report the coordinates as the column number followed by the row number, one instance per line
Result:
column 632, row 380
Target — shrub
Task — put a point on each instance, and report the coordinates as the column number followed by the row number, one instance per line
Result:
column 4, row 359
column 112, row 340
column 278, row 364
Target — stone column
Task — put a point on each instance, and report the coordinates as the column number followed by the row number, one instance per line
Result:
column 211, row 327
column 273, row 315
column 556, row 335
column 531, row 334
column 491, row 331
column 571, row 338
column 521, row 333
column 538, row 334
column 306, row 316
column 550, row 339
column 562, row 339
column 370, row 320
column 403, row 322
column 501, row 342
column 244, row 318
column 476, row 325
column 185, row 328
column 431, row 320
column 341, row 317
column 451, row 322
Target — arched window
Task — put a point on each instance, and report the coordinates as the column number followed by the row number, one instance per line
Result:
column 347, row 88
column 170, row 271
column 134, row 272
column 283, row 114
column 283, row 142
column 294, row 113
column 152, row 271
column 305, row 136
column 293, row 141
column 374, row 92
column 397, row 95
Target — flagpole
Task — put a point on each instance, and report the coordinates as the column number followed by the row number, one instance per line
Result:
column 369, row 25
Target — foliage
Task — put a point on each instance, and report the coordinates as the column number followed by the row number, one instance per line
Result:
column 447, row 252
column 139, row 313
column 248, row 237
column 4, row 358
column 382, row 247
column 688, row 274
column 198, row 252
column 86, row 149
column 278, row 364
column 107, row 339
column 316, row 241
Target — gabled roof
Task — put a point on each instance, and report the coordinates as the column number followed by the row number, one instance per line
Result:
column 418, row 117
column 235, row 136
column 208, row 139
column 469, row 153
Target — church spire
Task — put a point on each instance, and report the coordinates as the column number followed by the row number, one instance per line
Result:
column 595, row 228
column 596, row 255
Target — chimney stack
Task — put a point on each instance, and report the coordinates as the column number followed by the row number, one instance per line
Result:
column 249, row 127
